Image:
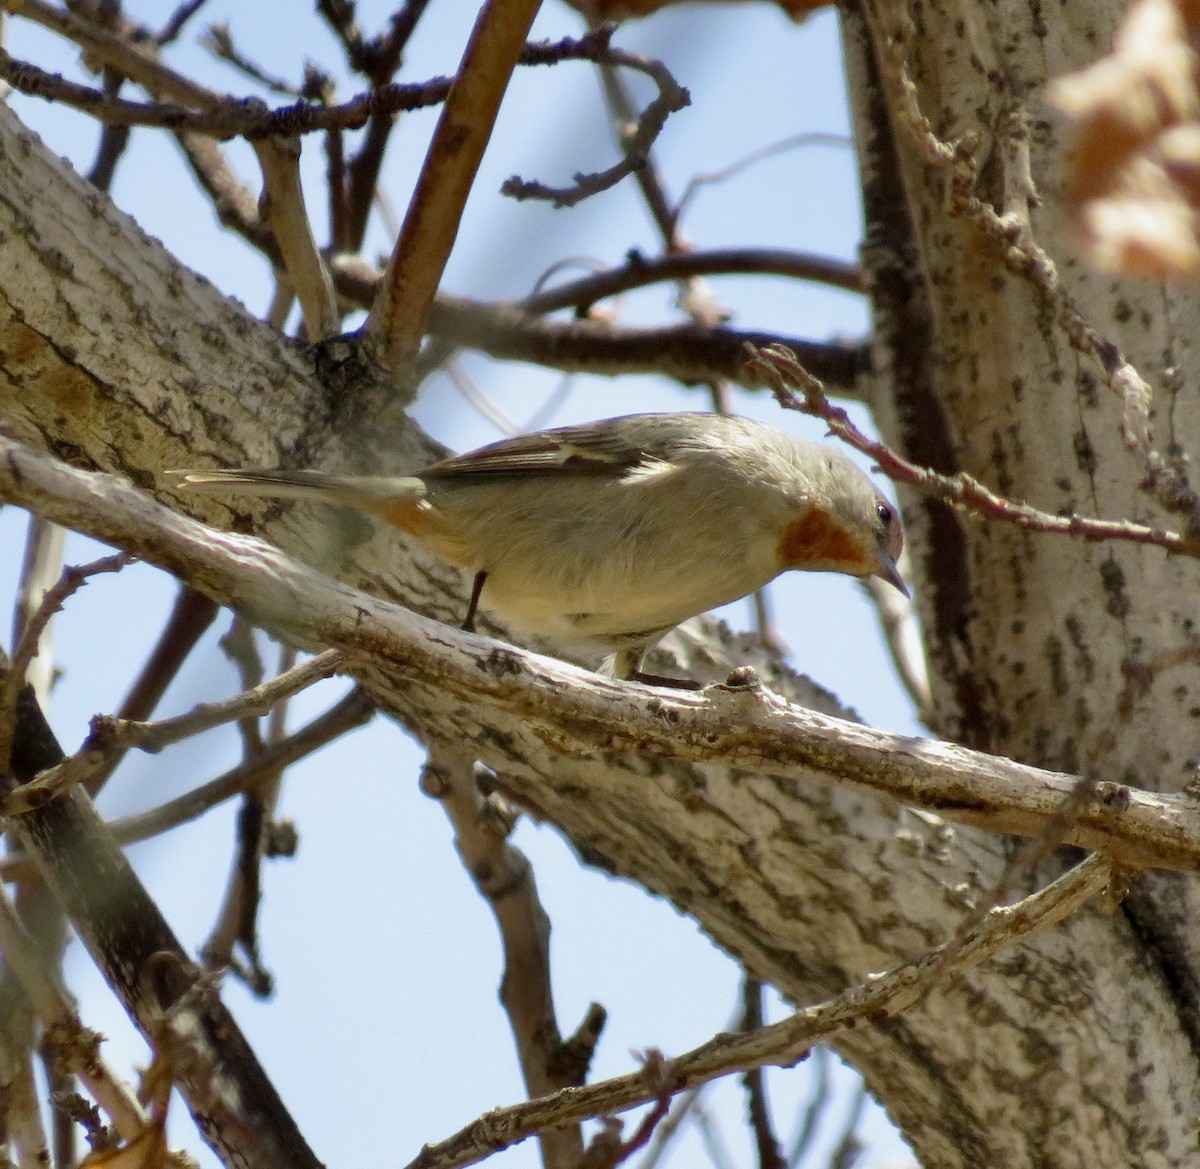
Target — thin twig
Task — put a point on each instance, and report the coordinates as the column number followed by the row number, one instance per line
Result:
column 71, row 580
column 814, row 1109
column 218, row 40
column 190, row 617
column 176, row 22
column 41, row 568
column 110, row 736
column 113, row 139
column 636, row 138
column 792, row 142
column 639, row 271
column 849, row 1147
column 350, row 712
column 754, row 1081
column 75, row 1046
column 781, row 370
column 666, row 1131
column 218, row 116
column 783, row 1043
column 378, row 60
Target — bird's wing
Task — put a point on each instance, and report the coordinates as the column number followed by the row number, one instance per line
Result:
column 588, row 449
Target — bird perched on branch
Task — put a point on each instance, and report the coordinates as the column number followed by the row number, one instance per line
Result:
column 605, row 536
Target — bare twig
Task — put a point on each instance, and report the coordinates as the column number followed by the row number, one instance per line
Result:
column 378, row 59
column 218, row 40
column 504, row 876
column 783, row 1043
column 75, row 1046
column 237, row 920
column 221, row 117
column 71, row 580
column 397, row 318
column 666, row 1131
column 636, row 138
column 112, row 736
column 814, row 1109
column 687, row 353
column 781, row 369
column 725, row 173
column 42, row 566
column 352, row 711
column 639, row 271
column 849, row 1147
column 754, row 1081
column 176, row 22
column 190, row 616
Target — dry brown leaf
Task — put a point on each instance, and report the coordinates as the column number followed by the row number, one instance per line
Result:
column 1133, row 177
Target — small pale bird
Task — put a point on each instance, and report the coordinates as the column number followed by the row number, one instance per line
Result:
column 605, row 536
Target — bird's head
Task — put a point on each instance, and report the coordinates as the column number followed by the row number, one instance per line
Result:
column 842, row 523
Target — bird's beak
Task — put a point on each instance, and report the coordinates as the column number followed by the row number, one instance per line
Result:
column 888, row 571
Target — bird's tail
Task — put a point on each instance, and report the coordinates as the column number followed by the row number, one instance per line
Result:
column 378, row 495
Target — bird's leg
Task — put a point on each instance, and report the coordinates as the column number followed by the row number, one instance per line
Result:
column 663, row 680
column 626, row 665
column 468, row 624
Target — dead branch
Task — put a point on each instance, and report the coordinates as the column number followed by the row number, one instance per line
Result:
column 783, row 1043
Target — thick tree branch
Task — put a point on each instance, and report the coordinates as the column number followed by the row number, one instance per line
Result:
column 577, row 711
column 688, row 353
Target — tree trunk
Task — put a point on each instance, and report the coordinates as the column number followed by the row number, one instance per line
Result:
column 1060, row 653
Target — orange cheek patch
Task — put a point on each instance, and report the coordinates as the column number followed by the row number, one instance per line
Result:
column 815, row 539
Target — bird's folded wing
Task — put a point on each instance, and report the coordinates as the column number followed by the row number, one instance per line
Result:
column 586, row 449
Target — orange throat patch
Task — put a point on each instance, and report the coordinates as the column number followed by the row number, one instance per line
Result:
column 816, row 541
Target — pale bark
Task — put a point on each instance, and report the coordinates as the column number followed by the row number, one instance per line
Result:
column 1058, row 653
column 1065, row 1052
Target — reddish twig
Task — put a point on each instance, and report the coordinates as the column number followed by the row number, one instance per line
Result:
column 396, row 321
column 781, row 371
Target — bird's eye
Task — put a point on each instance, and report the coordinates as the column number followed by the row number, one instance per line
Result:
column 883, row 513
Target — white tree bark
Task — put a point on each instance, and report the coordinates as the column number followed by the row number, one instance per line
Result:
column 1065, row 1052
